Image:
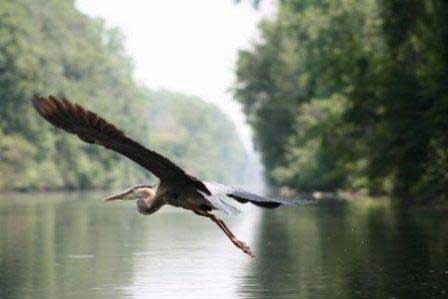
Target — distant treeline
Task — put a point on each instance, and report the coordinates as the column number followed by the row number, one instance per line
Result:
column 352, row 95
column 49, row 47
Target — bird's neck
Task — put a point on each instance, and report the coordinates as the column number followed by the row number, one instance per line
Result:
column 149, row 205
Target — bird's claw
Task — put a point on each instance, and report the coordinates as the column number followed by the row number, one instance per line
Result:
column 243, row 246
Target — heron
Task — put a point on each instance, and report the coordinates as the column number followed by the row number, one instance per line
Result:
column 176, row 187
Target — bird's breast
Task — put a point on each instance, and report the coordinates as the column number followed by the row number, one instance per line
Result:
column 174, row 200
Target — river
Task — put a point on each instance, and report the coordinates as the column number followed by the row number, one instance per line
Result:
column 74, row 246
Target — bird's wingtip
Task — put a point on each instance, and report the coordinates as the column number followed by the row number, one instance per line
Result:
column 36, row 97
column 37, row 100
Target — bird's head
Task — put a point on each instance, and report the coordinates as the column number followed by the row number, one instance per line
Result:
column 145, row 192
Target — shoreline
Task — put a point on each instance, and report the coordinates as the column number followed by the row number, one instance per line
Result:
column 319, row 197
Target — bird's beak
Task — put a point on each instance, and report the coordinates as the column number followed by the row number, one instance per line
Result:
column 123, row 195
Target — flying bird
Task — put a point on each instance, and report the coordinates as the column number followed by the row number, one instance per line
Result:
column 176, row 187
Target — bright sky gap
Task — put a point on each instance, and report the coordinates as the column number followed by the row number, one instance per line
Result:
column 186, row 46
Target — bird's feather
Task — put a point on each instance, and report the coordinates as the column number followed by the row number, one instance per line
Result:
column 92, row 128
column 226, row 198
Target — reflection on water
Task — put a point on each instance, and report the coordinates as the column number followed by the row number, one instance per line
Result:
column 75, row 246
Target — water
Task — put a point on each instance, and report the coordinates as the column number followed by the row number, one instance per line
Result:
column 74, row 246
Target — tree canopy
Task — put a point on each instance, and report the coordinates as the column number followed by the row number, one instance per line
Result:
column 50, row 47
column 351, row 95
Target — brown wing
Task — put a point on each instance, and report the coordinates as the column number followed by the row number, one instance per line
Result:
column 92, row 128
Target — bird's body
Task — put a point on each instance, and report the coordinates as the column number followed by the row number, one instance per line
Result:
column 176, row 187
column 181, row 196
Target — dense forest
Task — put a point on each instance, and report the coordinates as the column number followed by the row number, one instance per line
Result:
column 351, row 95
column 49, row 47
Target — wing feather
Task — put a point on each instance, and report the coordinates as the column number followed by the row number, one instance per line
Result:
column 92, row 128
column 222, row 195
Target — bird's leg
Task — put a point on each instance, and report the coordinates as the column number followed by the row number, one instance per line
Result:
column 225, row 229
column 238, row 243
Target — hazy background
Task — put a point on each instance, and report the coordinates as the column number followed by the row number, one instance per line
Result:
column 161, row 70
column 187, row 46
column 340, row 96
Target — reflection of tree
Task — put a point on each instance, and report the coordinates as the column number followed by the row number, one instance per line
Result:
column 273, row 265
column 52, row 248
column 402, row 265
column 363, row 249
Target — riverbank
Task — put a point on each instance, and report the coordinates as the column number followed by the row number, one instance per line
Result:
column 318, row 196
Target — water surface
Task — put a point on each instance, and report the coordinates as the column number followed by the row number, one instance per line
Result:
column 74, row 246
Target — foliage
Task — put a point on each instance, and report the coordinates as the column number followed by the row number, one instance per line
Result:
column 319, row 149
column 49, row 47
column 198, row 135
column 387, row 60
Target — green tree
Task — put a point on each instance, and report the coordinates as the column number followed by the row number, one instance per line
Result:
column 387, row 59
column 50, row 47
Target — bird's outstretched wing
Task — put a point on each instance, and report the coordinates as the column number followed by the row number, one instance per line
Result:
column 224, row 198
column 92, row 128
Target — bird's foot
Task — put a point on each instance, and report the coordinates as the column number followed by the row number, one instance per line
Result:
column 243, row 246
